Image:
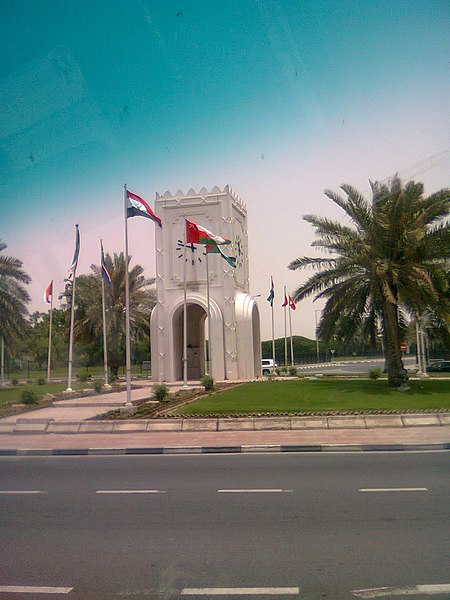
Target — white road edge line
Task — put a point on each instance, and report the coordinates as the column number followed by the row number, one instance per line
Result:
column 130, row 492
column 419, row 489
column 31, row 589
column 22, row 492
column 274, row 591
column 429, row 590
column 255, row 491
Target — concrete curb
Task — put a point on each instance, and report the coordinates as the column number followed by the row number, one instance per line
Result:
column 31, row 426
column 250, row 449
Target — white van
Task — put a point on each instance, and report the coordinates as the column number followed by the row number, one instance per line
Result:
column 268, row 366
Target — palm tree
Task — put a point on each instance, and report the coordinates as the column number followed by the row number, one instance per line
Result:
column 89, row 306
column 391, row 259
column 13, row 301
column 13, row 297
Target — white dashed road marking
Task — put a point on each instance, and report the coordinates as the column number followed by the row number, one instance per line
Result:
column 273, row 591
column 22, row 492
column 427, row 590
column 422, row 489
column 31, row 589
column 130, row 492
column 255, row 491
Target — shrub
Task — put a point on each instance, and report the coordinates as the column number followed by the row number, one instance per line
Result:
column 160, row 391
column 277, row 371
column 207, row 382
column 374, row 373
column 15, row 381
column 98, row 384
column 41, row 381
column 84, row 376
column 292, row 371
column 29, row 395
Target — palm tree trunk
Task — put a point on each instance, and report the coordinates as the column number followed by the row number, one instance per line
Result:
column 397, row 375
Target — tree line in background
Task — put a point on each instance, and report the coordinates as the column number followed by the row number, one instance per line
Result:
column 382, row 270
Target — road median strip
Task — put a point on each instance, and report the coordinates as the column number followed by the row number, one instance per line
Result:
column 337, row 422
column 225, row 449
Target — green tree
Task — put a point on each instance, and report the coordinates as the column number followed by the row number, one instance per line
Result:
column 13, row 298
column 35, row 343
column 391, row 260
column 89, row 323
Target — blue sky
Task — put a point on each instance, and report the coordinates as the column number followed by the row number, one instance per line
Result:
column 280, row 99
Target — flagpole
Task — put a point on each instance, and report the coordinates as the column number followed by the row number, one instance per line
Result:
column 72, row 319
column 209, row 316
column 128, row 405
column 273, row 326
column 290, row 333
column 184, row 310
column 285, row 331
column 105, row 348
column 49, row 358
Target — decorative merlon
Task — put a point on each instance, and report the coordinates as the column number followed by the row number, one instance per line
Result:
column 203, row 194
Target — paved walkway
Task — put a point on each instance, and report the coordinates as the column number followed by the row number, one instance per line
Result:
column 50, row 431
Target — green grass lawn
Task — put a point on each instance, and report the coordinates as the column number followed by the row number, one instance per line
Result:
column 11, row 395
column 321, row 396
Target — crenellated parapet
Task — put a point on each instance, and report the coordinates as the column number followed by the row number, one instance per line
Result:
column 203, row 196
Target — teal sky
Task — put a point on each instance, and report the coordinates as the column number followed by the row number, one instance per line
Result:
column 280, row 99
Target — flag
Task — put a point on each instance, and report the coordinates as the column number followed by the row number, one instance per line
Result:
column 73, row 266
column 138, row 207
column 285, row 303
column 105, row 275
column 195, row 234
column 215, row 249
column 48, row 294
column 292, row 304
column 271, row 295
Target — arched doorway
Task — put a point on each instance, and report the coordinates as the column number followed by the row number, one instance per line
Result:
column 256, row 336
column 196, row 346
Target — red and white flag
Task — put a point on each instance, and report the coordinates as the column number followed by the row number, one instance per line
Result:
column 49, row 292
column 292, row 304
column 196, row 234
column 138, row 207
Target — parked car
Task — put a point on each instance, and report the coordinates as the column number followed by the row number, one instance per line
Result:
column 442, row 366
column 268, row 366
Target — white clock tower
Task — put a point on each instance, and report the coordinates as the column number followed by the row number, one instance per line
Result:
column 235, row 343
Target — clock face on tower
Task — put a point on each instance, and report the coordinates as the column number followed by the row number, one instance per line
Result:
column 194, row 252
column 239, row 251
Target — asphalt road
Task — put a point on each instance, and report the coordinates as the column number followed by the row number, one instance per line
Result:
column 347, row 367
column 269, row 526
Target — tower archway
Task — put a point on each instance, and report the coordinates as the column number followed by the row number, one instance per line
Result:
column 196, row 341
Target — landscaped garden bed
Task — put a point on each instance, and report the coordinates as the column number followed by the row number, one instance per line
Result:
column 299, row 398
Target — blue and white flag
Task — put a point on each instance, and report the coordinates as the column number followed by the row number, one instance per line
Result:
column 105, row 275
column 73, row 266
